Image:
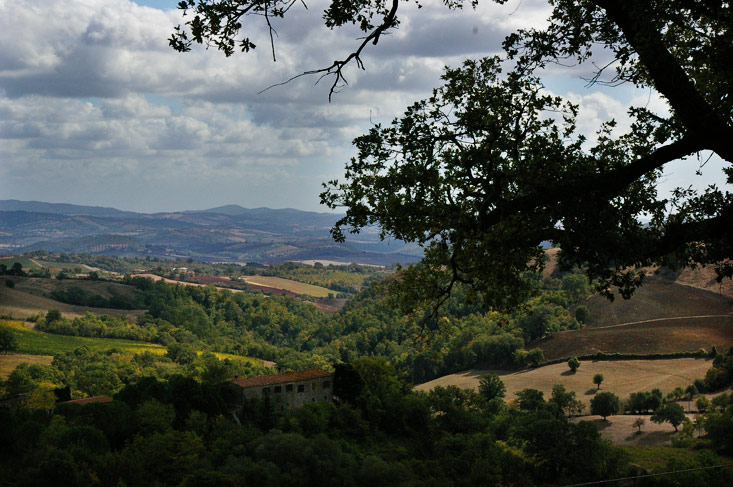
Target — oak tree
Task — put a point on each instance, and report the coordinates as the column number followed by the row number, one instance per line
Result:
column 490, row 167
column 605, row 404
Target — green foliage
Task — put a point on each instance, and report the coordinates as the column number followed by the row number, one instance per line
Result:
column 40, row 343
column 564, row 401
column 605, row 404
column 491, row 387
column 77, row 296
column 640, row 402
column 670, row 412
column 530, row 400
column 8, row 342
column 573, row 363
column 582, row 314
column 53, row 315
column 597, row 380
column 96, row 326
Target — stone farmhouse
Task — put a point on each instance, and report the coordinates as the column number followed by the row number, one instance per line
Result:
column 289, row 390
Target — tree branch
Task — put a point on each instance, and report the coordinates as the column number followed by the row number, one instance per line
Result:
column 607, row 183
column 336, row 68
column 669, row 78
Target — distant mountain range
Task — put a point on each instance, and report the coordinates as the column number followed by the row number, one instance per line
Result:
column 225, row 233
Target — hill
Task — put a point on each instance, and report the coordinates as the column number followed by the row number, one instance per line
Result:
column 21, row 304
column 663, row 335
column 659, row 297
column 229, row 233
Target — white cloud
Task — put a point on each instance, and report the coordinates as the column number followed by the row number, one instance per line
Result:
column 92, row 97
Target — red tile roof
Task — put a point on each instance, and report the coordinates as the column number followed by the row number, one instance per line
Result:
column 89, row 400
column 295, row 376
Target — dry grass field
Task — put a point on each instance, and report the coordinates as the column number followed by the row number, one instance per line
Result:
column 658, row 298
column 18, row 304
column 621, row 431
column 656, row 336
column 289, row 285
column 622, row 377
column 9, row 361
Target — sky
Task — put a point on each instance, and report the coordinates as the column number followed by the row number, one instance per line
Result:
column 97, row 109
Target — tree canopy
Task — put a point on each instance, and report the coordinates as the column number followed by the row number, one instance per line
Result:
column 490, row 166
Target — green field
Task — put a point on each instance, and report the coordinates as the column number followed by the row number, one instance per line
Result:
column 658, row 456
column 25, row 262
column 288, row 285
column 10, row 361
column 38, row 343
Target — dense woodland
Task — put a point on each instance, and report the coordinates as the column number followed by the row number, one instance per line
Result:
column 296, row 335
column 179, row 431
column 171, row 422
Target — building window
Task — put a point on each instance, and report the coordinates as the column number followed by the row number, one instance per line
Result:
column 289, row 388
column 278, row 389
column 301, row 388
column 313, row 386
column 265, row 390
column 326, row 384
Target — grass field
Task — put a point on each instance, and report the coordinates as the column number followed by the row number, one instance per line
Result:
column 660, row 336
column 25, row 262
column 39, row 347
column 38, row 343
column 66, row 266
column 9, row 361
column 620, row 377
column 288, row 285
column 620, row 430
column 657, row 299
column 44, row 286
column 18, row 304
column 651, row 457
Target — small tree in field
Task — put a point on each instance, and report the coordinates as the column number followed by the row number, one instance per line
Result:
column 573, row 363
column 605, row 404
column 638, row 423
column 597, row 379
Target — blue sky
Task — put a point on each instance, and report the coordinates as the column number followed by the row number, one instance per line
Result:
column 96, row 109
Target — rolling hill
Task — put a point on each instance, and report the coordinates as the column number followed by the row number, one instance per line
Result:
column 228, row 233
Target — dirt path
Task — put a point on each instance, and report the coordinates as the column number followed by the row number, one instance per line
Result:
column 630, row 323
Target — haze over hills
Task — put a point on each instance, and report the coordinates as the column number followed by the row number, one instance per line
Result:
column 226, row 233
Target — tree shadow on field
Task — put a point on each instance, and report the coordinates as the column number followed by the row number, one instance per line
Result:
column 601, row 424
column 591, row 392
column 567, row 372
column 656, row 438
